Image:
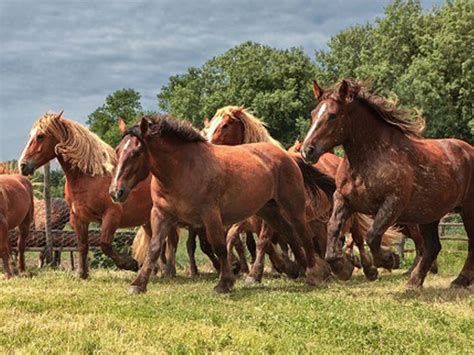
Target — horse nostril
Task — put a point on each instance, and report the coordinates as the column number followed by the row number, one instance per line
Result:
column 120, row 193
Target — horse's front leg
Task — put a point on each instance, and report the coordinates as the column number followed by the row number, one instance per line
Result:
column 5, row 248
column 386, row 216
column 110, row 223
column 217, row 237
column 161, row 226
column 82, row 232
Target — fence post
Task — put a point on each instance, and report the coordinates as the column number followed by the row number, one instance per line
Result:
column 48, row 249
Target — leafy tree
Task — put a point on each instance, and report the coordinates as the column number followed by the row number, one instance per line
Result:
column 275, row 84
column 103, row 121
column 425, row 59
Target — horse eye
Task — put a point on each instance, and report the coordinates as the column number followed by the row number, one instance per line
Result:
column 225, row 125
column 40, row 137
column 332, row 116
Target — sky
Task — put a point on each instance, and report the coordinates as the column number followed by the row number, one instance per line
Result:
column 70, row 55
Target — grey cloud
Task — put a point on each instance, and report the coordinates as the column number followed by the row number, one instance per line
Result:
column 71, row 55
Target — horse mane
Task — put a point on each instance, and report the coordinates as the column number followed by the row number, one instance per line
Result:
column 77, row 145
column 255, row 130
column 168, row 126
column 410, row 122
column 314, row 179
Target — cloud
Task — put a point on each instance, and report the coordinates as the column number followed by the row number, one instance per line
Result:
column 71, row 55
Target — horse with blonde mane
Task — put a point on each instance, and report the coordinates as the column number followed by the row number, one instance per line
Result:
column 16, row 210
column 87, row 162
column 391, row 171
column 233, row 125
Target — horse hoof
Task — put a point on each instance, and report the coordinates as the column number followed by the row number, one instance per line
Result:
column 223, row 287
column 460, row 282
column 293, row 271
column 415, row 282
column 132, row 265
column 434, row 267
column 83, row 275
column 251, row 280
column 395, row 261
column 342, row 268
column 169, row 272
column 371, row 273
column 136, row 290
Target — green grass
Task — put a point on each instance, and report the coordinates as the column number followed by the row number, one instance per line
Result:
column 53, row 311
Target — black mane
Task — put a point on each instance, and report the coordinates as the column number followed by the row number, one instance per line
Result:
column 168, row 126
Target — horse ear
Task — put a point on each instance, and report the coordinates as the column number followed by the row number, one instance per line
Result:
column 122, row 125
column 206, row 122
column 344, row 90
column 59, row 115
column 144, row 126
column 317, row 91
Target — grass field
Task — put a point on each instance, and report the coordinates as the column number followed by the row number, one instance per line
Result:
column 53, row 311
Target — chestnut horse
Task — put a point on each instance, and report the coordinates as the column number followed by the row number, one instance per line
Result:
column 391, row 172
column 237, row 182
column 16, row 210
column 233, row 125
column 87, row 162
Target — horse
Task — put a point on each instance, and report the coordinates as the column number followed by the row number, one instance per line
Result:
column 391, row 171
column 87, row 162
column 233, row 125
column 16, row 210
column 237, row 182
column 329, row 166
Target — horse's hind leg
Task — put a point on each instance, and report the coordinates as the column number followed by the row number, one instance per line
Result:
column 370, row 271
column 170, row 253
column 431, row 251
column 466, row 277
column 264, row 239
column 5, row 248
column 24, row 230
column 191, row 248
column 251, row 245
column 206, row 248
column 82, row 234
column 413, row 232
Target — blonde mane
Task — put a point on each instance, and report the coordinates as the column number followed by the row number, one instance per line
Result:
column 255, row 130
column 77, row 145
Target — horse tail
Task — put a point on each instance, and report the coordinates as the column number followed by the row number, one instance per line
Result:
column 392, row 235
column 140, row 245
column 315, row 180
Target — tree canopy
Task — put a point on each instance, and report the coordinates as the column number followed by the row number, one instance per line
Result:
column 274, row 83
column 103, row 121
column 425, row 59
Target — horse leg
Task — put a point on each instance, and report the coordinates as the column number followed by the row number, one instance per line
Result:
column 432, row 248
column 110, row 223
column 161, row 226
column 82, row 232
column 251, row 245
column 5, row 248
column 233, row 241
column 191, row 248
column 370, row 271
column 342, row 267
column 24, row 231
column 207, row 249
column 239, row 247
column 466, row 277
column 171, row 246
column 217, row 237
column 386, row 216
column 415, row 234
column 264, row 239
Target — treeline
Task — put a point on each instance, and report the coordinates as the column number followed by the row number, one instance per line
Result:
column 425, row 59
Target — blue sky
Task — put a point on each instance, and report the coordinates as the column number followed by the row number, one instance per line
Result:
column 71, row 54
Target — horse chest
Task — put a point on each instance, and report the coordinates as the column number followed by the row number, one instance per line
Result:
column 359, row 193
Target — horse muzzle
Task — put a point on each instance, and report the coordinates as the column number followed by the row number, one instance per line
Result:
column 118, row 195
column 310, row 154
column 27, row 168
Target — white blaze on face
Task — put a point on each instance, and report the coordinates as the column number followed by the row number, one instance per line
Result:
column 215, row 122
column 33, row 133
column 119, row 167
column 315, row 124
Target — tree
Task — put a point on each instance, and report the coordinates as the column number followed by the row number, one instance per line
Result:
column 123, row 103
column 275, row 84
column 424, row 59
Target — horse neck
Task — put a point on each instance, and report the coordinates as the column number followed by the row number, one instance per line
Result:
column 170, row 159
column 369, row 137
column 72, row 173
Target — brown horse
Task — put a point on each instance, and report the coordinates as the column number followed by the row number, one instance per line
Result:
column 233, row 125
column 87, row 162
column 237, row 182
column 391, row 172
column 16, row 210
